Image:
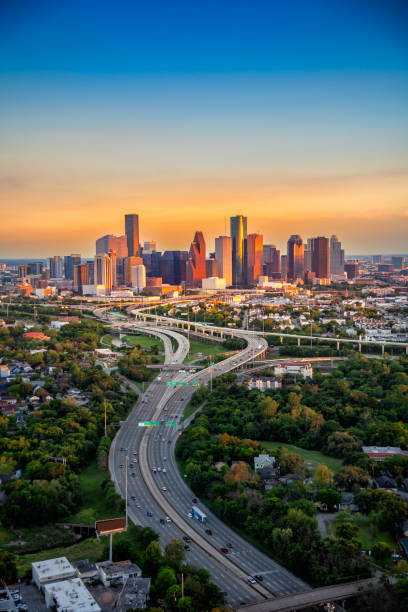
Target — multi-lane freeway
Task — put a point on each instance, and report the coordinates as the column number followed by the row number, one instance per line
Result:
column 164, row 494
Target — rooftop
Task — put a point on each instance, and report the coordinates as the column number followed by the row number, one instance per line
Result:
column 72, row 596
column 52, row 568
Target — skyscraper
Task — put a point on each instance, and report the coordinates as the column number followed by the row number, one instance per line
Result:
column 238, row 226
column 112, row 243
column 105, row 270
column 211, row 267
column 336, row 257
column 284, row 266
column 56, row 267
column 295, row 257
column 196, row 262
column 173, row 267
column 149, row 246
column 321, row 257
column 80, row 277
column 69, row 262
column 132, row 234
column 254, row 252
column 129, row 263
column 272, row 258
column 223, row 255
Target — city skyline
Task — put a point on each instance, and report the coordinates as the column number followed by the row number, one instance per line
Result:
column 293, row 116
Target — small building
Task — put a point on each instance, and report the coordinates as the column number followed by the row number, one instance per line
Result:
column 36, row 336
column 69, row 596
column 52, row 570
column 4, row 371
column 264, row 383
column 111, row 574
column 379, row 453
column 347, row 502
column 106, row 353
column 263, row 461
column 134, row 596
column 302, row 368
column 385, row 482
column 86, row 570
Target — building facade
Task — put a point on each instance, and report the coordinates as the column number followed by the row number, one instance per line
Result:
column 295, row 259
column 196, row 267
column 223, row 255
column 238, row 226
column 132, row 234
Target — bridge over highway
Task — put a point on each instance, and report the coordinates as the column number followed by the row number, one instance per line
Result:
column 314, row 597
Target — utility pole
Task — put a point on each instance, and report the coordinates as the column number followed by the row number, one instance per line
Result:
column 104, row 401
column 126, row 487
column 182, row 584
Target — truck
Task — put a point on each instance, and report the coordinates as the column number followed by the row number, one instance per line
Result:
column 198, row 514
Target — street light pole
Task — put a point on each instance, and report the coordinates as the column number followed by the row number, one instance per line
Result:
column 127, row 461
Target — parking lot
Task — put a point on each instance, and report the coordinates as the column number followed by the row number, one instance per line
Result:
column 31, row 597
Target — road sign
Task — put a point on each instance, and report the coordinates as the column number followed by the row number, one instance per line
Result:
column 109, row 526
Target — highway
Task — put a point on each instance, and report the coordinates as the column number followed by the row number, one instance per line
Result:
column 154, row 447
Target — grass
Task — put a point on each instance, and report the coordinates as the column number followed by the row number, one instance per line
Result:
column 311, row 458
column 107, row 339
column 206, row 348
column 90, row 481
column 145, row 342
column 87, row 549
column 368, row 533
column 35, row 538
column 5, row 536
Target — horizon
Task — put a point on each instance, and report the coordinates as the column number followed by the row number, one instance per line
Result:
column 295, row 115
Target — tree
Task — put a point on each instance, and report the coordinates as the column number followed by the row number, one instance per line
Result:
column 381, row 552
column 330, row 497
column 323, row 475
column 165, row 578
column 347, row 531
column 341, row 443
column 175, row 553
column 152, row 559
column 8, row 567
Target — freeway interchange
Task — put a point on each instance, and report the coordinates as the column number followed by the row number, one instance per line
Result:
column 164, row 494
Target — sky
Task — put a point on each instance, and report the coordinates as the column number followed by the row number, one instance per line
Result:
column 291, row 112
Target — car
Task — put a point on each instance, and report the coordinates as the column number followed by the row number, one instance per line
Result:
column 121, row 465
column 168, row 519
column 190, row 515
column 187, row 538
column 224, row 550
column 208, row 532
column 154, row 470
column 162, row 521
column 186, row 547
column 169, row 441
column 133, row 474
column 258, row 577
column 133, row 497
column 159, row 469
column 164, row 471
column 148, row 513
column 164, row 489
column 229, row 545
column 251, row 579
column 138, row 506
column 195, row 500
column 135, row 453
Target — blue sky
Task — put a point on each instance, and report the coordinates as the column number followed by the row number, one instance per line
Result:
column 292, row 112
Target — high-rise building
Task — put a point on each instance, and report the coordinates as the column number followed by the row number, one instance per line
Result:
column 22, row 271
column 351, row 269
column 295, row 261
column 272, row 261
column 56, row 270
column 90, row 264
column 69, row 262
column 132, row 234
column 80, row 277
column 253, row 258
column 107, row 243
column 173, row 267
column 284, row 266
column 336, row 257
column 149, row 246
column 321, row 257
column 211, row 268
column 238, row 226
column 105, row 270
column 138, row 277
column 398, row 262
column 265, row 252
column 152, row 263
column 129, row 263
column 377, row 259
column 195, row 271
column 35, row 268
column 223, row 255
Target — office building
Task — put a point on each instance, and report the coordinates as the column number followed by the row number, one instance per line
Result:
column 56, row 267
column 265, row 252
column 107, row 243
column 51, row 570
column 295, row 263
column 272, row 260
column 398, row 262
column 105, row 270
column 128, row 263
column 132, row 234
column 69, row 595
column 138, row 277
column 238, row 225
column 377, row 259
column 284, row 266
column 195, row 271
column 152, row 262
column 321, row 257
column 385, row 268
column 149, row 246
column 22, row 271
column 80, row 277
column 173, row 267
column 90, row 265
column 35, row 268
column 223, row 255
column 69, row 262
column 336, row 257
column 211, row 268
column 253, row 258
column 351, row 269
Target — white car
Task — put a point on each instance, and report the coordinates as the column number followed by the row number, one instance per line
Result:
column 168, row 519
column 164, row 489
column 164, row 470
column 190, row 515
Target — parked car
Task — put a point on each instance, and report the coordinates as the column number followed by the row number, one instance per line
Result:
column 224, row 550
